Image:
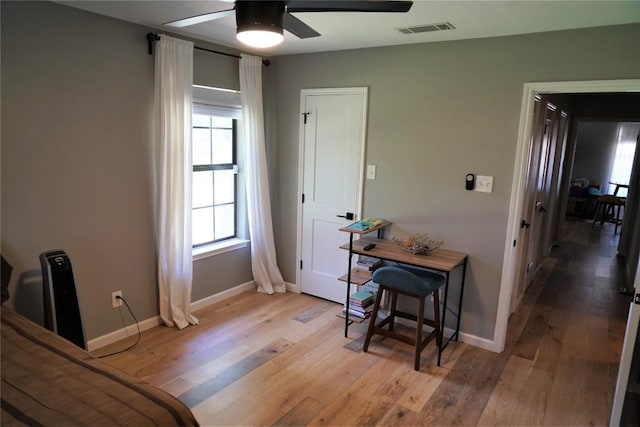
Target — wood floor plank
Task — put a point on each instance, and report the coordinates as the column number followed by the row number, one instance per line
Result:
column 422, row 387
column 313, row 312
column 500, row 409
column 387, row 379
column 531, row 404
column 300, row 414
column 464, row 393
column 529, row 341
column 203, row 391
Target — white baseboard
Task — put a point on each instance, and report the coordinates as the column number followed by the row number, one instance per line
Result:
column 473, row 340
column 479, row 342
column 292, row 287
column 152, row 322
column 212, row 299
column 123, row 333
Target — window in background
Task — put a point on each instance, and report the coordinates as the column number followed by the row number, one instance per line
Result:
column 214, row 177
column 623, row 159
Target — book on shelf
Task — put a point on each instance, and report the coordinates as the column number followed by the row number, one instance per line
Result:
column 352, row 317
column 365, row 224
column 362, row 298
column 357, row 313
column 366, row 306
column 370, row 263
column 361, row 304
column 371, row 287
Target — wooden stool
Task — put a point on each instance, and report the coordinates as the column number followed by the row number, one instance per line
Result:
column 608, row 205
column 414, row 283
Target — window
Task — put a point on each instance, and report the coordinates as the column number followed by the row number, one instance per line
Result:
column 623, row 158
column 214, row 188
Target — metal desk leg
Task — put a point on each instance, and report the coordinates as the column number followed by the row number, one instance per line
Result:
column 444, row 314
column 346, row 304
column 464, row 273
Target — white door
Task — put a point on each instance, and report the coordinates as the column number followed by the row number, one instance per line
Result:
column 534, row 223
column 333, row 140
column 626, row 382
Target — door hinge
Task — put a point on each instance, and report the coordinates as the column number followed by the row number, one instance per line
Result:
column 300, row 264
column 302, row 197
column 305, row 117
column 514, row 243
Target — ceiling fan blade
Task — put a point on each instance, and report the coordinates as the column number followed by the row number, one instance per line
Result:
column 198, row 19
column 348, row 6
column 298, row 28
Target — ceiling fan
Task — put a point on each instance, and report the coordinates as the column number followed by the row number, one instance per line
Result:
column 261, row 23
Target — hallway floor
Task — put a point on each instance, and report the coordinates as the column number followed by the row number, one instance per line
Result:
column 563, row 362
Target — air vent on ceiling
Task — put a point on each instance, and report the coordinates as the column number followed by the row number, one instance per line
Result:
column 427, row 28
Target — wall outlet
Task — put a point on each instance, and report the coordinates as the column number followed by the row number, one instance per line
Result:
column 371, row 171
column 116, row 302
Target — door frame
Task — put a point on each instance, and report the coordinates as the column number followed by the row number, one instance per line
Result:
column 509, row 267
column 359, row 90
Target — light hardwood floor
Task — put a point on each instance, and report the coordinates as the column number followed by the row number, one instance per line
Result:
column 283, row 360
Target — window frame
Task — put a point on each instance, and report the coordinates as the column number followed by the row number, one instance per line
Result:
column 212, row 110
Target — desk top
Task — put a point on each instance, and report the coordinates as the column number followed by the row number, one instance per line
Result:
column 439, row 259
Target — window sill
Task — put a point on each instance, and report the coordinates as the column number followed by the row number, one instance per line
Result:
column 219, row 248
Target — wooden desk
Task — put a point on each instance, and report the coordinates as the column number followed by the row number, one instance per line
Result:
column 441, row 260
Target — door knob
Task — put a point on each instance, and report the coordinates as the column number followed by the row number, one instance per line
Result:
column 348, row 215
column 524, row 224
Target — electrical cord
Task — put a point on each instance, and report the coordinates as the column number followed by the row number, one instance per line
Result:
column 137, row 326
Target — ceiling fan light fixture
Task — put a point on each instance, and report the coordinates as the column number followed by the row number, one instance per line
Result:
column 260, row 37
column 260, row 23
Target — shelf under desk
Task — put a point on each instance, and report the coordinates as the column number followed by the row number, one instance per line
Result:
column 441, row 260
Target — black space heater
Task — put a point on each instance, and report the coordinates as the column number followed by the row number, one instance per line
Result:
column 61, row 309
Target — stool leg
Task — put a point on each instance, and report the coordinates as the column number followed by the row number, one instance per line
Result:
column 436, row 318
column 419, row 320
column 372, row 320
column 392, row 309
column 615, row 230
column 595, row 214
column 605, row 214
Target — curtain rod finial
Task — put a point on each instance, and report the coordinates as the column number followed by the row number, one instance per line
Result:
column 151, row 38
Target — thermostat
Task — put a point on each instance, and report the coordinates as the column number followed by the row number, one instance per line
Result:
column 470, row 181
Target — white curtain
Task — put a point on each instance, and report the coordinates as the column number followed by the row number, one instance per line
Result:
column 623, row 158
column 263, row 252
column 173, row 86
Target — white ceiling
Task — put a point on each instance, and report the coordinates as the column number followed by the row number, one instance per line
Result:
column 471, row 18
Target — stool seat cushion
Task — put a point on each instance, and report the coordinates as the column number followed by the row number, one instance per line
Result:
column 613, row 200
column 408, row 280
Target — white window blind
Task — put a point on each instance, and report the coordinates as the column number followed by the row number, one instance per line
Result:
column 216, row 102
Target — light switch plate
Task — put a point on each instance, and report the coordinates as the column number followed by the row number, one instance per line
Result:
column 484, row 184
column 371, row 171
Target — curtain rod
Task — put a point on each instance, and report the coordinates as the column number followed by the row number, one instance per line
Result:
column 151, row 38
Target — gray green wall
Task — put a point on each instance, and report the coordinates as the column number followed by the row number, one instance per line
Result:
column 78, row 163
column 595, row 150
column 436, row 112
